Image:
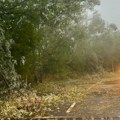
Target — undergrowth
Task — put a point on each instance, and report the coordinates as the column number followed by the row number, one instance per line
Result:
column 46, row 97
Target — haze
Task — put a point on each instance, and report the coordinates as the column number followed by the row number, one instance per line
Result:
column 109, row 10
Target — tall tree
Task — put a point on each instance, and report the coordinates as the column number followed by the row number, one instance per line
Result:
column 38, row 27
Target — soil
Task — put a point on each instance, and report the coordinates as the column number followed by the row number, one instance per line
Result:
column 105, row 103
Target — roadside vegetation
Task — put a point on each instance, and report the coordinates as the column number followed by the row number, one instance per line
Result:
column 52, row 53
column 49, row 98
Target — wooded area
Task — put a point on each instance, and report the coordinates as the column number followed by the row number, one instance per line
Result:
column 42, row 38
column 54, row 37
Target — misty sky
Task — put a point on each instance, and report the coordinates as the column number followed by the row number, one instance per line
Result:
column 110, row 11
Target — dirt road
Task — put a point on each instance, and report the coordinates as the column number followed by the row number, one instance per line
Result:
column 103, row 101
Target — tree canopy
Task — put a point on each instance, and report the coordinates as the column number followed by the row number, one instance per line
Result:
column 54, row 37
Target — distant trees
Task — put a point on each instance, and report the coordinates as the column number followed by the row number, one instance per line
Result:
column 106, row 47
column 101, row 50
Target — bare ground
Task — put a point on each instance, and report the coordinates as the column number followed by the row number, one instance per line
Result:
column 104, row 100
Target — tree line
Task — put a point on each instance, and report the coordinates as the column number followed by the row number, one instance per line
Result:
column 54, row 37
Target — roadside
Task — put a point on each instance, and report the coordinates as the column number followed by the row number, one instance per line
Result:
column 55, row 98
column 104, row 100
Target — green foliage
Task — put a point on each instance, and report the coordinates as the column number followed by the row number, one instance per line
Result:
column 8, row 75
column 51, row 37
column 96, row 46
column 39, row 29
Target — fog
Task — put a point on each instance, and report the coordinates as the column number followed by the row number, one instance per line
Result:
column 109, row 10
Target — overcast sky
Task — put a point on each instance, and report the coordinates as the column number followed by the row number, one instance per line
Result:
column 110, row 11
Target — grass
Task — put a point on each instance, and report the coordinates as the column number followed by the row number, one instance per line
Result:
column 48, row 96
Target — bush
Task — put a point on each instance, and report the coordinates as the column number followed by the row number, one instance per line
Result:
column 8, row 76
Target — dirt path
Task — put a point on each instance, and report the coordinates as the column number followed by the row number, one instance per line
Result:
column 103, row 101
